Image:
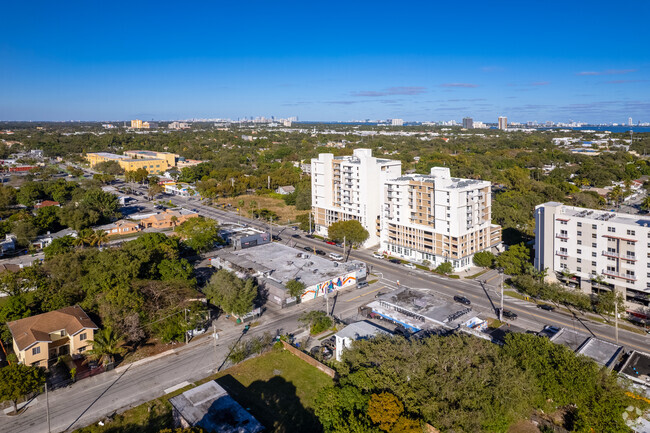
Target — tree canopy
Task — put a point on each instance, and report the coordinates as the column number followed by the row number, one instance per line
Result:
column 231, row 293
column 352, row 231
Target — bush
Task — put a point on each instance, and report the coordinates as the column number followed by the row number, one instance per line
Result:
column 484, row 259
column 318, row 321
column 445, row 268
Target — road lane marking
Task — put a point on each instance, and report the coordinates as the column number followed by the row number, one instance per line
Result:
column 357, row 297
column 490, row 279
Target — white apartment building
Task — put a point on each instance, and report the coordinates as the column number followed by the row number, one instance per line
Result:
column 594, row 250
column 350, row 187
column 503, row 123
column 397, row 122
column 437, row 218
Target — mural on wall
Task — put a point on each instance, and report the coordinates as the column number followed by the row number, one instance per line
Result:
column 329, row 286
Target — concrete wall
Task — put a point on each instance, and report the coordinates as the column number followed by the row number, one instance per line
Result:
column 309, row 360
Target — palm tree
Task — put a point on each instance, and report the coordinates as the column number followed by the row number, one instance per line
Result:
column 106, row 345
column 645, row 205
column 174, row 220
column 616, row 195
column 99, row 238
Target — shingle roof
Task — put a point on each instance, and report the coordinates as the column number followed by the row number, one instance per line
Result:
column 29, row 330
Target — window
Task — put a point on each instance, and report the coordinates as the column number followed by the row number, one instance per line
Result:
column 579, row 269
column 611, row 229
column 579, row 251
column 594, row 236
column 580, row 261
column 83, row 336
column 36, row 350
column 593, row 263
column 593, row 254
column 579, row 233
column 82, row 349
column 579, row 224
column 594, row 245
column 630, row 232
column 630, row 243
column 563, row 223
column 594, row 226
column 579, row 242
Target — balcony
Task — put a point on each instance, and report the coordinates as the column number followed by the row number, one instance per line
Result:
column 562, row 253
column 562, row 235
column 619, row 256
column 619, row 275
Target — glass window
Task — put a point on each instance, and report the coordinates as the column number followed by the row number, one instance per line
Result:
column 36, row 350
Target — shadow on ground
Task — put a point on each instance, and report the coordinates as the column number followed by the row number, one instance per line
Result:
column 273, row 403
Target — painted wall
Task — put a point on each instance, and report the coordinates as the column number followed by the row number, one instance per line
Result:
column 329, row 286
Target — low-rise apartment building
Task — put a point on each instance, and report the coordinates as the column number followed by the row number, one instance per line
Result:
column 350, row 187
column 168, row 218
column 437, row 218
column 153, row 162
column 594, row 250
column 41, row 339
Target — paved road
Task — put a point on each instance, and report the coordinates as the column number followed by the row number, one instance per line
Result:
column 483, row 299
column 90, row 400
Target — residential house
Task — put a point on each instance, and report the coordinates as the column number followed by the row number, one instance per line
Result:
column 8, row 245
column 180, row 189
column 356, row 331
column 121, row 227
column 168, row 218
column 285, row 190
column 39, row 340
column 47, row 203
column 45, row 240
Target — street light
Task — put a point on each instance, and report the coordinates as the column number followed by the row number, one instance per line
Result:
column 500, row 271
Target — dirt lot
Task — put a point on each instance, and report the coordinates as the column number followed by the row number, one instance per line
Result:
column 286, row 213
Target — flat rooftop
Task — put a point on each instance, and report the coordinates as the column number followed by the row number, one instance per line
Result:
column 599, row 215
column 603, row 352
column 282, row 263
column 569, row 338
column 110, row 155
column 418, row 308
column 637, row 366
column 362, row 329
column 454, row 182
column 209, row 406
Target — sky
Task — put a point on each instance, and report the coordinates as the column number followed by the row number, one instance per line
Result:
column 332, row 61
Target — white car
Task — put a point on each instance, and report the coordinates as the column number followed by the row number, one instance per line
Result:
column 409, row 265
column 378, row 255
column 335, row 256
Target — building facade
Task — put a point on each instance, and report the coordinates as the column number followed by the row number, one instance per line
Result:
column 350, row 187
column 503, row 123
column 437, row 218
column 153, row 162
column 594, row 250
column 468, row 123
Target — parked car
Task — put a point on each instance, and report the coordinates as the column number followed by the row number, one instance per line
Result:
column 295, row 236
column 362, row 284
column 462, row 300
column 335, row 256
column 309, row 236
column 308, row 249
column 396, row 261
column 330, row 242
column 546, row 307
column 510, row 315
column 377, row 255
column 329, row 342
column 320, row 252
column 409, row 265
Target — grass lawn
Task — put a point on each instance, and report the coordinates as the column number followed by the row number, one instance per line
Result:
column 285, row 212
column 277, row 388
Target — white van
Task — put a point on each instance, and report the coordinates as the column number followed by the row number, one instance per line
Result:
column 335, row 256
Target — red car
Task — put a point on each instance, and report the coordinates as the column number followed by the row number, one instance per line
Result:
column 330, row 242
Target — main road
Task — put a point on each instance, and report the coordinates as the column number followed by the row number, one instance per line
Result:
column 485, row 297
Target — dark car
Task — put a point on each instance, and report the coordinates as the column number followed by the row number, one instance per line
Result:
column 546, row 307
column 320, row 252
column 509, row 315
column 362, row 284
column 330, row 242
column 462, row 300
column 309, row 236
column 308, row 249
column 396, row 261
column 277, row 238
column 295, row 236
column 329, row 343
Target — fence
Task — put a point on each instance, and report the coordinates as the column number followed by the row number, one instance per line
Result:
column 309, row 360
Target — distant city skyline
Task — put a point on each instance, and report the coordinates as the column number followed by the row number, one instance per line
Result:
column 556, row 61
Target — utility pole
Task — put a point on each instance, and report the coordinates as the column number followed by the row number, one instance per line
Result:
column 344, row 246
column 501, row 309
column 309, row 222
column 186, row 337
column 268, row 182
column 327, row 301
column 616, row 314
column 47, row 408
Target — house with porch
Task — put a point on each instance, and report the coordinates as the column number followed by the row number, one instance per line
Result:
column 39, row 340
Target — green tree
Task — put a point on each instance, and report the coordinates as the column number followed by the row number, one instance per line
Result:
column 154, row 190
column 200, row 234
column 645, row 204
column 295, row 288
column 483, row 259
column 231, row 293
column 99, row 238
column 514, row 260
column 352, row 231
column 59, row 246
column 109, row 167
column 317, row 321
column 18, row 380
column 445, row 268
column 107, row 345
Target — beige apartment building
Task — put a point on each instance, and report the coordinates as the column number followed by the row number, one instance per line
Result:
column 437, row 218
column 595, row 250
column 350, row 187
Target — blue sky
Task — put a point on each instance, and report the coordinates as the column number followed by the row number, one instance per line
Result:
column 528, row 60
